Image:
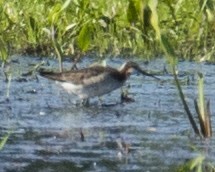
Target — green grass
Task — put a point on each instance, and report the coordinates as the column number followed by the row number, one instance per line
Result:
column 123, row 27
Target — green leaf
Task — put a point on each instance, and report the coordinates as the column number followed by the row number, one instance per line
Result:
column 3, row 50
column 54, row 13
column 168, row 49
column 84, row 37
column 197, row 162
column 146, row 16
column 201, row 95
column 4, row 140
column 71, row 26
column 65, row 5
column 154, row 17
column 132, row 14
column 32, row 31
column 32, row 23
column 83, row 4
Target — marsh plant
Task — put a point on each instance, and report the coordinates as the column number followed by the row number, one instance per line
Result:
column 125, row 26
column 202, row 111
column 196, row 164
column 4, row 140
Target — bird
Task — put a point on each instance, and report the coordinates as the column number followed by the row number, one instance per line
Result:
column 94, row 81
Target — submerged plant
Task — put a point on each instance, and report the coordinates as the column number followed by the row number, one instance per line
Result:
column 3, row 141
column 203, row 110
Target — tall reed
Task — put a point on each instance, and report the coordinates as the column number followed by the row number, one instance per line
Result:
column 203, row 114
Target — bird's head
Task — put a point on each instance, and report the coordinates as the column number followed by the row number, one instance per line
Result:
column 128, row 67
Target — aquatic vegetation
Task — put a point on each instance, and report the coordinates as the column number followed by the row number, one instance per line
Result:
column 203, row 110
column 203, row 113
column 3, row 141
column 105, row 26
column 198, row 164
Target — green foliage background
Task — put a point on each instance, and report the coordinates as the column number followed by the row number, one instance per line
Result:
column 107, row 26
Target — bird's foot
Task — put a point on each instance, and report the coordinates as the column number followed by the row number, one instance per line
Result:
column 125, row 98
column 85, row 102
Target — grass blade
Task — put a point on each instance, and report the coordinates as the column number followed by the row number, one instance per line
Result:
column 4, row 140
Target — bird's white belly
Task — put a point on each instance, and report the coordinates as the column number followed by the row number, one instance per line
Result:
column 91, row 90
column 72, row 88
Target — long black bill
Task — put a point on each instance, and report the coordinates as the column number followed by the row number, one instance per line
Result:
column 147, row 74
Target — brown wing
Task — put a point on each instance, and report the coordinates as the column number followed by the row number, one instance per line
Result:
column 78, row 76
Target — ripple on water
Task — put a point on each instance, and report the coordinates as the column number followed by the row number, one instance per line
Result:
column 51, row 133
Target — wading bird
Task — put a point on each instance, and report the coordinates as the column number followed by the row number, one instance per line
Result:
column 94, row 81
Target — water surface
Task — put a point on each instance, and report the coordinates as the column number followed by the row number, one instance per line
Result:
column 51, row 133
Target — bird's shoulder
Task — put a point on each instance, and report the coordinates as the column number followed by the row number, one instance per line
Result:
column 79, row 76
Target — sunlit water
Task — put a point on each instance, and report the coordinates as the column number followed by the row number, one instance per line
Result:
column 51, row 133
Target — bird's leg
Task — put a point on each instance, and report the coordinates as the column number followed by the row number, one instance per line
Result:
column 100, row 100
column 124, row 92
column 85, row 102
column 124, row 95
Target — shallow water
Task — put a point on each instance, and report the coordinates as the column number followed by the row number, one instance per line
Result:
column 51, row 133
